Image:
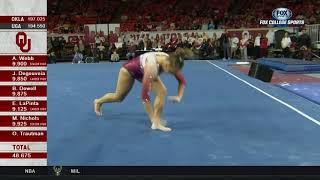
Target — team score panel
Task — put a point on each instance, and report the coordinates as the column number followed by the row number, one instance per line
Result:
column 19, row 124
column 19, row 109
column 21, row 155
column 19, row 93
column 20, row 64
column 36, row 26
column 19, row 78
column 38, row 18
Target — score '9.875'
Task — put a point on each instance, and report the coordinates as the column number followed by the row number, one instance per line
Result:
column 19, row 93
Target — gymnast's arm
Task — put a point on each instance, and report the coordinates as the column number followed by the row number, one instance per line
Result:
column 146, row 87
column 182, row 83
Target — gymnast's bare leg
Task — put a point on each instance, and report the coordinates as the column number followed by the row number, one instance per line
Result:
column 161, row 93
column 124, row 85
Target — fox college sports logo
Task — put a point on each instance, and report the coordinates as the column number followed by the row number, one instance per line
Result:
column 281, row 16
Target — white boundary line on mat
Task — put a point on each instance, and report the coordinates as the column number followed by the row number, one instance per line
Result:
column 265, row 93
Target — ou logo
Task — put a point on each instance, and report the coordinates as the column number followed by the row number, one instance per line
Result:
column 22, row 41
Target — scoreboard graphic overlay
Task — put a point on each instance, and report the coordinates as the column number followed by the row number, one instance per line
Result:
column 23, row 83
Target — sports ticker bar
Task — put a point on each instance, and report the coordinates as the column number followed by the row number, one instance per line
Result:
column 23, row 83
column 161, row 170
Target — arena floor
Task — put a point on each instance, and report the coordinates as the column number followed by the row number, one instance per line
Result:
column 225, row 118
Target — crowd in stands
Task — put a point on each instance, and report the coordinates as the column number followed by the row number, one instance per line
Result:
column 250, row 12
column 211, row 14
column 156, row 15
column 227, row 46
column 166, row 15
column 174, row 15
column 70, row 16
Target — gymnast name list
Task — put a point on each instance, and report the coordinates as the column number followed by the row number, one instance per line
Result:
column 23, row 83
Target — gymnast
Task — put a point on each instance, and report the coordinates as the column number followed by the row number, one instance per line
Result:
column 147, row 68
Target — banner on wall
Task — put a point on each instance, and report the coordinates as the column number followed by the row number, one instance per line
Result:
column 103, row 30
column 70, row 38
column 209, row 34
column 117, row 37
column 153, row 34
column 114, row 28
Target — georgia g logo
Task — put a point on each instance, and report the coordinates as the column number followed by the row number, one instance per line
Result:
column 22, row 41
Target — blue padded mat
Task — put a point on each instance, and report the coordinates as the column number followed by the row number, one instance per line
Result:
column 220, row 121
column 310, row 91
column 290, row 65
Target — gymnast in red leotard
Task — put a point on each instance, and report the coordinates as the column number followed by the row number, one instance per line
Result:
column 147, row 68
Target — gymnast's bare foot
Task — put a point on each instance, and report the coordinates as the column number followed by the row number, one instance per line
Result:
column 163, row 122
column 97, row 107
column 160, row 127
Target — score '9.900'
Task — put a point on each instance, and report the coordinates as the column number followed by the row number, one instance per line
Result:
column 20, row 63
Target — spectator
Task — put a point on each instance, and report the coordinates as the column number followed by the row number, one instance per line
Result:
column 243, row 47
column 167, row 39
column 191, row 39
column 101, row 50
column 62, row 43
column 141, row 45
column 154, row 42
column 172, row 26
column 234, row 45
column 250, row 47
column 215, row 43
column 225, row 41
column 49, row 43
column 180, row 43
column 52, row 58
column 97, row 40
column 148, row 44
column 204, row 36
column 211, row 25
column 55, row 46
column 210, row 47
column 131, row 51
column 115, row 56
column 111, row 49
column 304, row 45
column 263, row 46
column 162, row 41
column 77, row 58
column 145, row 42
column 204, row 25
column 81, row 46
column 102, row 39
column 159, row 27
column 257, row 46
column 270, row 36
column 131, row 39
column 285, row 45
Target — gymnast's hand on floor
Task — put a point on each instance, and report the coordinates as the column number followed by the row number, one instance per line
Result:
column 174, row 99
column 97, row 107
